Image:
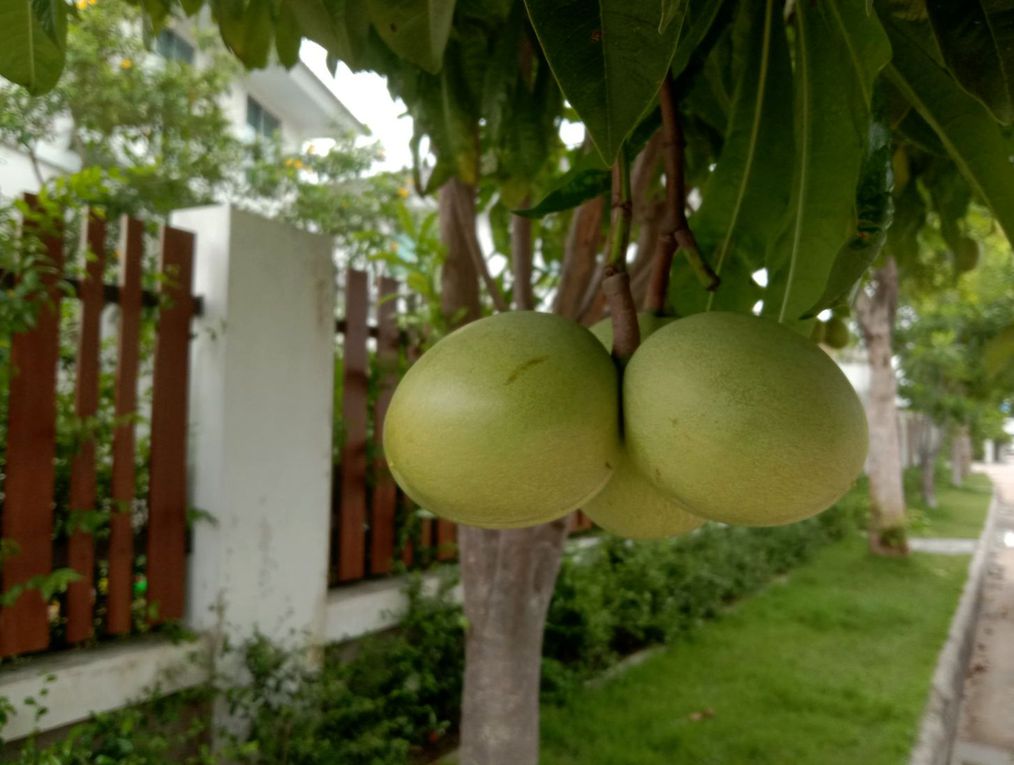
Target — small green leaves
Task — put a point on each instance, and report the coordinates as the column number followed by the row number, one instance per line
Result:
column 417, row 30
column 33, row 39
column 609, row 59
column 976, row 38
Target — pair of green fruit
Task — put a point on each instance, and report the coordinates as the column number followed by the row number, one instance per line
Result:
column 515, row 420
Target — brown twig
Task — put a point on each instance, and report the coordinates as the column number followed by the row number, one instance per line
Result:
column 675, row 233
column 466, row 222
column 615, row 280
column 521, row 258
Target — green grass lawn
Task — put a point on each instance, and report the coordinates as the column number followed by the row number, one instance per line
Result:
column 830, row 666
column 961, row 512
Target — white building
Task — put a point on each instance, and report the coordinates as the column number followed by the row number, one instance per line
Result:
column 294, row 102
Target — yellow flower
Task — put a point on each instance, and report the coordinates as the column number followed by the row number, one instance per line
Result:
column 81, row 4
column 403, row 192
column 293, row 162
column 126, row 64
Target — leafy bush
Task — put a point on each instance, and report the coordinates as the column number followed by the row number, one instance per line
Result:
column 398, row 698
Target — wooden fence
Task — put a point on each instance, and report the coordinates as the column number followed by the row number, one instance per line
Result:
column 35, row 546
column 373, row 524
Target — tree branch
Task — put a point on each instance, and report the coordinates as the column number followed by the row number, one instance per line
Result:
column 616, row 281
column 675, row 233
column 521, row 257
column 466, row 222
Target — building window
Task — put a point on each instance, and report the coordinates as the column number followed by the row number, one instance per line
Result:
column 172, row 47
column 263, row 122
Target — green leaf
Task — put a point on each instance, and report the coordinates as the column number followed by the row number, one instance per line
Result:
column 964, row 126
column 578, row 185
column 840, row 49
column 672, row 10
column 247, row 29
column 609, row 59
column 976, row 38
column 417, row 30
column 33, row 41
column 340, row 26
column 874, row 214
column 998, row 353
column 698, row 19
column 287, row 36
column 745, row 198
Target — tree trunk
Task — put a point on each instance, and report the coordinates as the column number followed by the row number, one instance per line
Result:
column 961, row 455
column 459, row 279
column 875, row 313
column 507, row 576
column 508, row 579
column 929, row 446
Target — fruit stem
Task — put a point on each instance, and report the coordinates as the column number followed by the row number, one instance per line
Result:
column 615, row 280
column 621, row 214
column 676, row 233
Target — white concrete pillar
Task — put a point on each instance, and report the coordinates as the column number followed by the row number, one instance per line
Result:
column 989, row 451
column 260, row 405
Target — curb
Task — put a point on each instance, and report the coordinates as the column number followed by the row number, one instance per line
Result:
column 938, row 728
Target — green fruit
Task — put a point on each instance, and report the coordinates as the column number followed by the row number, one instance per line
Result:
column 646, row 322
column 741, row 420
column 836, row 333
column 508, row 422
column 817, row 333
column 629, row 506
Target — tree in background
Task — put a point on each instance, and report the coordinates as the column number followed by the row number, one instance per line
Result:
column 942, row 345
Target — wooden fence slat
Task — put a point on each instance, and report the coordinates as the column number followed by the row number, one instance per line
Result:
column 447, row 538
column 81, row 546
column 121, row 532
column 351, row 535
column 31, row 447
column 167, row 494
column 385, row 492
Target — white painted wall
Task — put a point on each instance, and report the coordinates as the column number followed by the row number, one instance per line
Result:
column 261, row 398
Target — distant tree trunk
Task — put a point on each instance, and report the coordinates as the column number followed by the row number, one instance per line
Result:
column 507, row 576
column 961, row 455
column 929, row 447
column 875, row 313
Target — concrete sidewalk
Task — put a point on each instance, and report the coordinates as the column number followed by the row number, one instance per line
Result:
column 986, row 725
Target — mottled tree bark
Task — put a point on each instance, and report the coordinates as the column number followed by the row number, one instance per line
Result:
column 584, row 237
column 508, row 579
column 929, row 447
column 459, row 278
column 961, row 455
column 875, row 311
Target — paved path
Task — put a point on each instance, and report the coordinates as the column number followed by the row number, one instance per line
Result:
column 986, row 727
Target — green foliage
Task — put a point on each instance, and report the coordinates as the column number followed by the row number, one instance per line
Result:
column 398, row 696
column 744, row 199
column 32, row 42
column 944, row 343
column 968, row 132
column 840, row 50
column 610, row 59
column 622, row 596
column 974, row 41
